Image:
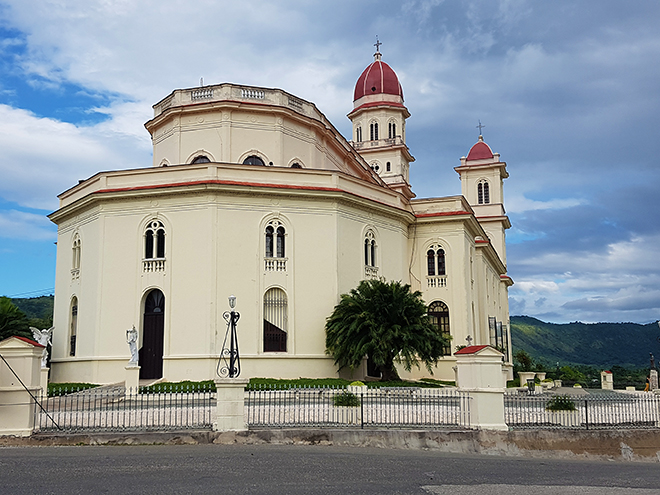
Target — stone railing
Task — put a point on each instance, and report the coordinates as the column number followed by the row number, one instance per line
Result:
column 253, row 94
column 275, row 264
column 358, row 145
column 370, row 272
column 201, row 94
column 153, row 265
column 436, row 281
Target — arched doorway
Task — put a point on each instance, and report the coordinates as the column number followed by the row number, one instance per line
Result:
column 153, row 330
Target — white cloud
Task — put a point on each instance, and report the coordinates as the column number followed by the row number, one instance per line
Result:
column 42, row 157
column 520, row 204
column 16, row 224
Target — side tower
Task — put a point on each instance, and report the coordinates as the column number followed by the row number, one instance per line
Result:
column 482, row 184
column 379, row 124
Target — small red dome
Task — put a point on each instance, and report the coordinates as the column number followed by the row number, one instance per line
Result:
column 378, row 78
column 480, row 151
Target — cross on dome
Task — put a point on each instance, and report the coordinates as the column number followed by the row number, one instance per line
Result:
column 377, row 55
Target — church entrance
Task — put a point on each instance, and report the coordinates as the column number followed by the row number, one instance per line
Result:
column 153, row 330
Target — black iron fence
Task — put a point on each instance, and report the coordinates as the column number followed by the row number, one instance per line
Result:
column 405, row 407
column 119, row 409
column 596, row 411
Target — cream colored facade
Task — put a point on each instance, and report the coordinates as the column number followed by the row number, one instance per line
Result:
column 163, row 247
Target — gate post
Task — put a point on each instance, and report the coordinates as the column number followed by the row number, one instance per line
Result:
column 230, row 406
column 479, row 372
column 17, row 406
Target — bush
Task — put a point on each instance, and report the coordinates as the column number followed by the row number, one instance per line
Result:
column 560, row 403
column 357, row 383
column 347, row 399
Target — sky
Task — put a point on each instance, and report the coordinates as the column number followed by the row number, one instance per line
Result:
column 568, row 92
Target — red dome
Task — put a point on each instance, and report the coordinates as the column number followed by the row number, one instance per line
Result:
column 378, row 78
column 480, row 151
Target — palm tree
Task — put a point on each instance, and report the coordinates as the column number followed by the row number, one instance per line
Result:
column 12, row 320
column 387, row 322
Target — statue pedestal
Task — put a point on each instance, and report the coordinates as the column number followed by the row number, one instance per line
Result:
column 230, row 410
column 132, row 377
column 653, row 380
column 44, row 381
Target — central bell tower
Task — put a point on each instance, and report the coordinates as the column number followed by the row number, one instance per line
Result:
column 379, row 124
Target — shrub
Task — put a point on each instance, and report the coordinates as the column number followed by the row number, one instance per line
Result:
column 357, row 383
column 346, row 399
column 560, row 403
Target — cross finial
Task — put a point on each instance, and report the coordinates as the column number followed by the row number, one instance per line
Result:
column 469, row 340
column 377, row 44
column 480, row 126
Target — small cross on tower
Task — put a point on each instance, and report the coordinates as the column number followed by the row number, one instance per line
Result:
column 480, row 127
column 469, row 340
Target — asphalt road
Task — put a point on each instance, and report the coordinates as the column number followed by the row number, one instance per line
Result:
column 277, row 469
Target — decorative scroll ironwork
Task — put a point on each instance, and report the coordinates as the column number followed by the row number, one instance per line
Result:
column 229, row 365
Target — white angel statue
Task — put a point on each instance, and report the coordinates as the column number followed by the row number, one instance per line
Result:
column 43, row 337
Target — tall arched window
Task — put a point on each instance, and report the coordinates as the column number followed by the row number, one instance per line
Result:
column 435, row 261
column 275, row 246
column 253, row 160
column 358, row 134
column 75, row 254
column 370, row 249
column 391, row 130
column 373, row 131
column 73, row 326
column 275, row 320
column 154, row 247
column 439, row 315
column 483, row 192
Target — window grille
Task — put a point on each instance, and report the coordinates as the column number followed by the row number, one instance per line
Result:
column 275, row 320
column 73, row 327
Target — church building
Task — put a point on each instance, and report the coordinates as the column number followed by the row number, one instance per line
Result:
column 254, row 193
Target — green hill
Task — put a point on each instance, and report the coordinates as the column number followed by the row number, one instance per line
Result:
column 602, row 345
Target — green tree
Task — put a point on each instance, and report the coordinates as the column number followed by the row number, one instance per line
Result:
column 12, row 320
column 387, row 322
column 523, row 361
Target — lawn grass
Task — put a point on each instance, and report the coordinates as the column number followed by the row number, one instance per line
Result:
column 56, row 389
column 254, row 384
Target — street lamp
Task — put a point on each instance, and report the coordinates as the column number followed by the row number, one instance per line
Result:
column 229, row 364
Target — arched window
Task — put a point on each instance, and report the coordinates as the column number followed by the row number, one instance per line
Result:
column 201, row 159
column 358, row 134
column 253, row 160
column 275, row 247
column 154, row 247
column 75, row 254
column 375, row 167
column 439, row 315
column 391, row 130
column 373, row 131
column 370, row 249
column 275, row 320
column 154, row 240
column 483, row 192
column 73, row 326
column 435, row 261
column 388, row 167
